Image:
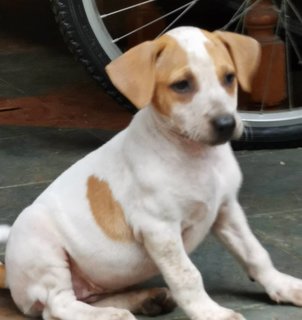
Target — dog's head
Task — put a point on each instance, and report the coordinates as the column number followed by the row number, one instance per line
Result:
column 190, row 76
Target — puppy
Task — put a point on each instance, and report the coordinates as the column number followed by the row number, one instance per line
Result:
column 142, row 202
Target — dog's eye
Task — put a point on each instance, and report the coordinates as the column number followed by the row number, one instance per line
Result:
column 229, row 78
column 182, row 86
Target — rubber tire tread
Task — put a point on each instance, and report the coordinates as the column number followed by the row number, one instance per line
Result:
column 270, row 137
column 81, row 41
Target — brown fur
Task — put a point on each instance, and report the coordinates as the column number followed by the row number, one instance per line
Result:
column 221, row 59
column 172, row 66
column 145, row 72
column 245, row 53
column 107, row 211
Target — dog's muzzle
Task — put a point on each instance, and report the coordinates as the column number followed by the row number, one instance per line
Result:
column 224, row 126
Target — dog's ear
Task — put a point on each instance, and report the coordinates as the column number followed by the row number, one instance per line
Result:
column 133, row 73
column 245, row 53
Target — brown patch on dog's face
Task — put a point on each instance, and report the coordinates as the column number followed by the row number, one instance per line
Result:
column 175, row 82
column 106, row 211
column 224, row 65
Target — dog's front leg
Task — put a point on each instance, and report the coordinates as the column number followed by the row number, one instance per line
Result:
column 233, row 230
column 165, row 246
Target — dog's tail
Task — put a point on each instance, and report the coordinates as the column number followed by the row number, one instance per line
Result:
column 4, row 234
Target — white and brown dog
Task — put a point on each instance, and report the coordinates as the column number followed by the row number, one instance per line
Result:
column 139, row 204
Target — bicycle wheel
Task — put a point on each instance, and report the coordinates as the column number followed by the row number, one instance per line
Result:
column 98, row 31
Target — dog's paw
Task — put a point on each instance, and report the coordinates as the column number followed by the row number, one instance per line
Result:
column 234, row 316
column 159, row 302
column 285, row 289
column 220, row 314
column 119, row 314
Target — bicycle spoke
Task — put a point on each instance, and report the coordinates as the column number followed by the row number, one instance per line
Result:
column 241, row 20
column 284, row 8
column 178, row 17
column 291, row 39
column 125, row 9
column 238, row 15
column 295, row 10
column 244, row 4
column 295, row 47
column 152, row 22
column 270, row 66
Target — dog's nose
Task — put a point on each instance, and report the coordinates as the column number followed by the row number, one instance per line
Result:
column 224, row 126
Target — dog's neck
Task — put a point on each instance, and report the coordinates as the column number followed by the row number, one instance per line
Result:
column 157, row 131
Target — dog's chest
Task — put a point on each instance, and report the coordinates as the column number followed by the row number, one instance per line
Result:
column 198, row 188
column 200, row 206
column 199, row 192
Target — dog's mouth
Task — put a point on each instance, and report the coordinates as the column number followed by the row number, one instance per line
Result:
column 218, row 130
column 220, row 140
column 211, row 140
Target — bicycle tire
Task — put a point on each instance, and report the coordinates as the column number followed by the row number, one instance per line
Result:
column 83, row 43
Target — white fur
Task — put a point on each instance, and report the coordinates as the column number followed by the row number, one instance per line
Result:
column 4, row 232
column 172, row 190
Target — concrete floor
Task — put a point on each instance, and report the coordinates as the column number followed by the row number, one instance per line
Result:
column 45, row 97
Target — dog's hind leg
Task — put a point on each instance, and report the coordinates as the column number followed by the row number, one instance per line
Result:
column 55, row 292
column 62, row 304
column 149, row 302
column 233, row 230
column 40, row 278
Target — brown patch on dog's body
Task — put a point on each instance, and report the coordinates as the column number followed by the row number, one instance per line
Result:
column 107, row 212
column 221, row 59
column 172, row 66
